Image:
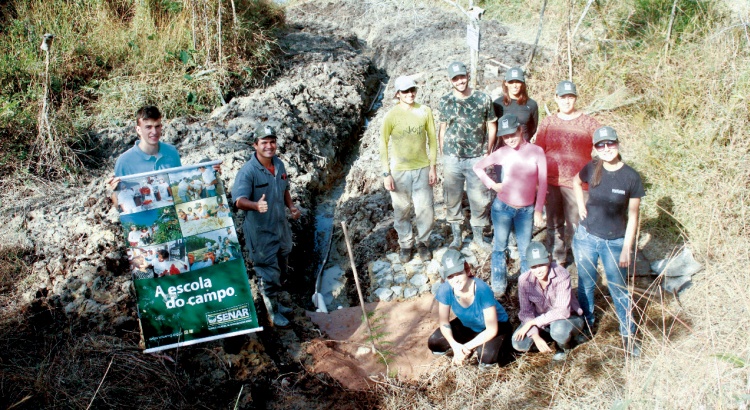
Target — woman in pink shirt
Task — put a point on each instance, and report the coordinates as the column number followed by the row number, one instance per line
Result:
column 520, row 196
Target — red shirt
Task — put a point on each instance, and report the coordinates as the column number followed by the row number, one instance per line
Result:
column 567, row 145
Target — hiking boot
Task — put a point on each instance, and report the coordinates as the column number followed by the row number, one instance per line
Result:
column 275, row 319
column 457, row 240
column 424, row 252
column 284, row 309
column 479, row 239
column 404, row 255
column 560, row 355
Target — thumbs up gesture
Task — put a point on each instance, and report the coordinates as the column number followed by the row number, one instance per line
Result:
column 262, row 204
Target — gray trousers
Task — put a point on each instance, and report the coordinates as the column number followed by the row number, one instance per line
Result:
column 562, row 220
column 561, row 331
column 412, row 188
column 456, row 171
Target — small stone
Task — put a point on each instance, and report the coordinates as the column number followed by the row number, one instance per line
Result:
column 437, row 255
column 681, row 265
column 398, row 291
column 424, row 288
column 399, row 279
column 410, row 292
column 385, row 281
column 383, row 294
column 362, row 350
column 433, row 268
column 414, row 268
column 435, row 287
column 397, row 267
column 378, row 266
column 418, row 280
column 393, row 258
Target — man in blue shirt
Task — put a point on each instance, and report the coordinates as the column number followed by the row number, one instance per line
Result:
column 148, row 153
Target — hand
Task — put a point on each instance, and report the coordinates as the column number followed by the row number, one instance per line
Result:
column 296, row 214
column 541, row 345
column 460, row 353
column 538, row 219
column 625, row 257
column 217, row 168
column 388, row 183
column 497, row 187
column 113, row 183
column 521, row 333
column 262, row 204
column 433, row 176
column 582, row 212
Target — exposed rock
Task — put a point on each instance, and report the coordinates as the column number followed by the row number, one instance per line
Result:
column 418, row 280
column 410, row 292
column 383, row 294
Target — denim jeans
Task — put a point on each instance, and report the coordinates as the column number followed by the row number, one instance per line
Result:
column 562, row 220
column 561, row 331
column 412, row 188
column 588, row 249
column 456, row 171
column 505, row 217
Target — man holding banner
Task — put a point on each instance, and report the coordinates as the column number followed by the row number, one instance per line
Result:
column 262, row 190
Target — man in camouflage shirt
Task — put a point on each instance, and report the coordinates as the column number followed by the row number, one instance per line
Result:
column 468, row 125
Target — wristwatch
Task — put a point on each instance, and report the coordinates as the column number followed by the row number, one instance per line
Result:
column 386, row 174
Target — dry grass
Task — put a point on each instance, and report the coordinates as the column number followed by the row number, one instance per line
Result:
column 686, row 135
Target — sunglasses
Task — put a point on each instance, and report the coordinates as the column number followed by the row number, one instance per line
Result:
column 410, row 90
column 600, row 146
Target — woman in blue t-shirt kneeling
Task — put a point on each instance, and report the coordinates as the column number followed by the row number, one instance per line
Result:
column 481, row 323
column 609, row 220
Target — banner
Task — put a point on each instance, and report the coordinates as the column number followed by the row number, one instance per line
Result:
column 188, row 271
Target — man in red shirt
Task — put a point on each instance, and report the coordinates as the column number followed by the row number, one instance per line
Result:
column 566, row 140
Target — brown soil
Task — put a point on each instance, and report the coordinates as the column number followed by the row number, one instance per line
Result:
column 401, row 330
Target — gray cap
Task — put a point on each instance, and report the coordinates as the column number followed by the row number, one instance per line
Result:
column 515, row 73
column 605, row 134
column 453, row 262
column 263, row 131
column 456, row 68
column 566, row 88
column 404, row 83
column 536, row 254
column 507, row 124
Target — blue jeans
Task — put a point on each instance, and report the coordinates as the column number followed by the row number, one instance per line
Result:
column 561, row 331
column 588, row 249
column 505, row 217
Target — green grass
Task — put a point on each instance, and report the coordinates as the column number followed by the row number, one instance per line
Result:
column 110, row 57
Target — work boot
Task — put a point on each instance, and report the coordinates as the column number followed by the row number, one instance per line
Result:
column 479, row 239
column 424, row 253
column 457, row 240
column 404, row 255
column 283, row 309
column 275, row 318
column 560, row 355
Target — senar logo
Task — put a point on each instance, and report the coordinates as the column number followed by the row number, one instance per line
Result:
column 228, row 317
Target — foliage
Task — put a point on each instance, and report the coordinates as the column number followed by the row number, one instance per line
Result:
column 111, row 57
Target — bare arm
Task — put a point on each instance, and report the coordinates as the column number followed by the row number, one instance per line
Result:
column 441, row 136
column 633, row 208
column 578, row 190
column 290, row 204
column 492, row 131
column 490, row 329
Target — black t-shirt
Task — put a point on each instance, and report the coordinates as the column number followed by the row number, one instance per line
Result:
column 527, row 114
column 607, row 207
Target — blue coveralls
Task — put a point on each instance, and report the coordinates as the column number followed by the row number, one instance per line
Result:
column 268, row 236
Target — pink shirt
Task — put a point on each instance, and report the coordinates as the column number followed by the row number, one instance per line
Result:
column 556, row 302
column 524, row 175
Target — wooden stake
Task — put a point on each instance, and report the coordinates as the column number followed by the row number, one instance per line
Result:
column 669, row 28
column 359, row 288
column 538, row 33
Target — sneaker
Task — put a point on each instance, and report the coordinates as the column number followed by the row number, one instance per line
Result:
column 424, row 253
column 632, row 347
column 560, row 355
column 404, row 255
column 457, row 240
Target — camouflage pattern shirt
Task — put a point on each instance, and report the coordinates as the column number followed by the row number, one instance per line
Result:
column 466, row 119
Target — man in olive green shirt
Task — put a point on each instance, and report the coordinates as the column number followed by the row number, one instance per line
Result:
column 408, row 171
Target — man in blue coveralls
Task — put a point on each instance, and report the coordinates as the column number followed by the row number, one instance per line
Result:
column 262, row 190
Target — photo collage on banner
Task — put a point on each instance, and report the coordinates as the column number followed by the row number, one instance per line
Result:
column 185, row 257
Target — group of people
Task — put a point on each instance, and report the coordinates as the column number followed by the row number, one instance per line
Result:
column 198, row 187
column 535, row 167
column 261, row 189
column 144, row 196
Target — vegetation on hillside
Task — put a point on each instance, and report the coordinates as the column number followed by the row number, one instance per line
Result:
column 110, row 57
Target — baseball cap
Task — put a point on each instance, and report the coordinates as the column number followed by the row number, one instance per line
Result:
column 404, row 83
column 605, row 134
column 566, row 88
column 456, row 68
column 263, row 131
column 536, row 254
column 515, row 73
column 453, row 262
column 507, row 124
